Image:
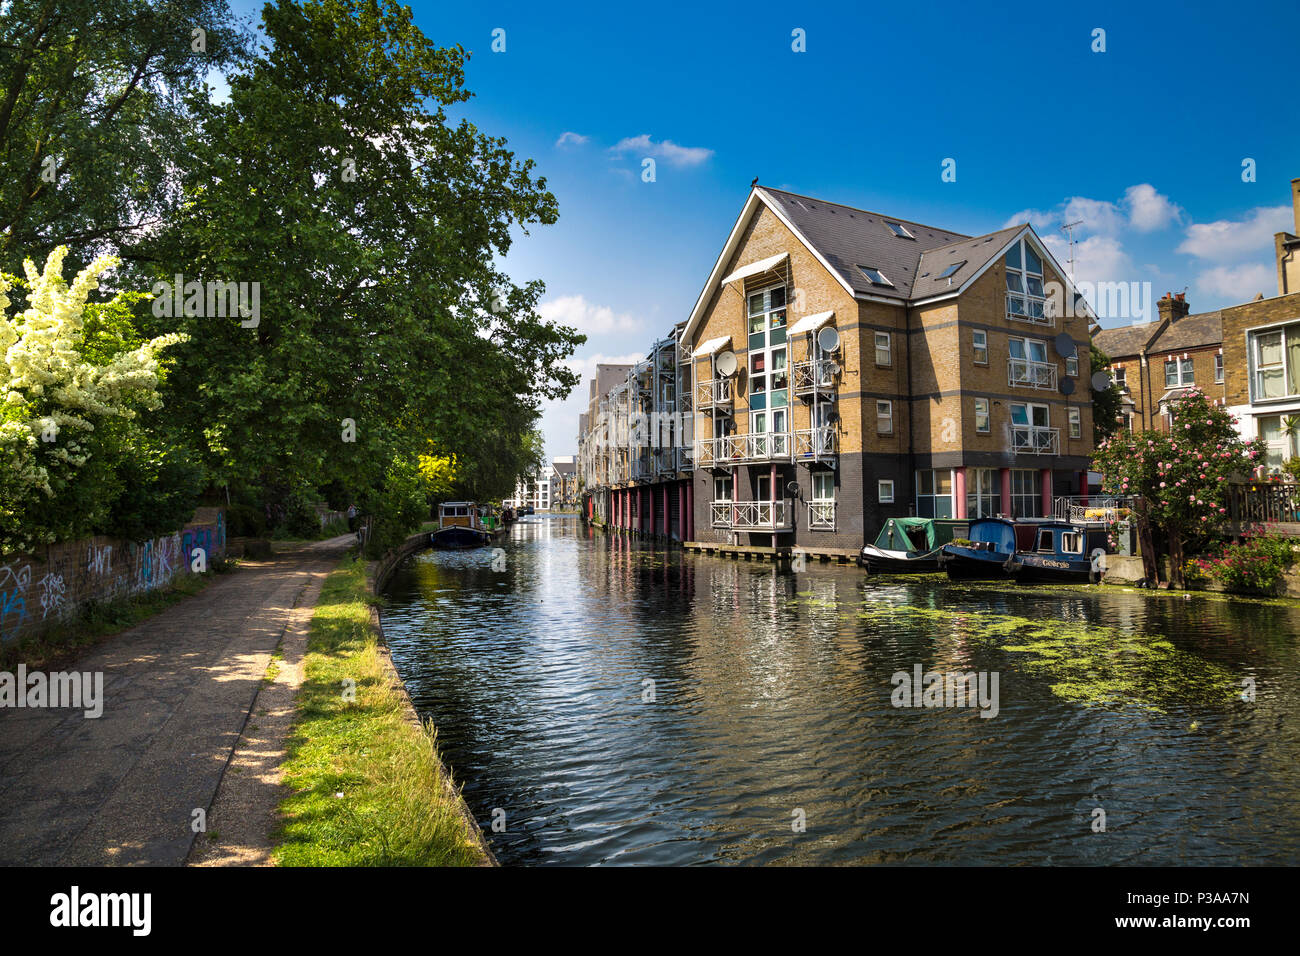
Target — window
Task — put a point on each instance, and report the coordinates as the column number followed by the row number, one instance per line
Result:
column 1120, row 376
column 1275, row 361
column 875, row 275
column 823, row 486
column 982, row 415
column 981, row 492
column 952, row 269
column 1026, row 300
column 722, row 488
column 1072, row 366
column 1218, row 369
column 769, row 376
column 1029, row 366
column 897, row 229
column 884, row 353
column 884, row 418
column 980, row 340
column 934, row 494
column 885, row 491
column 1076, row 423
column 1045, row 544
column 1178, row 372
column 1281, row 446
column 1026, row 494
column 1029, row 429
column 1071, row 542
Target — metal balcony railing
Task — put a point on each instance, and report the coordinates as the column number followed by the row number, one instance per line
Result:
column 816, row 443
column 1035, row 440
column 814, row 375
column 714, row 393
column 734, row 449
column 1024, row 373
column 1264, row 501
column 1106, row 509
column 1028, row 308
column 821, row 515
column 751, row 515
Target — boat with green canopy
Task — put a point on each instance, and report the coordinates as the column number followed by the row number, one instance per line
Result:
column 907, row 545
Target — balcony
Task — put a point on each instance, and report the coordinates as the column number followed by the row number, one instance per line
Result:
column 751, row 515
column 1035, row 440
column 643, row 466
column 814, row 376
column 714, row 393
column 821, row 515
column 1028, row 308
column 737, row 449
column 1023, row 373
column 816, row 443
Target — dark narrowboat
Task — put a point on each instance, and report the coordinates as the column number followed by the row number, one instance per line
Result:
column 987, row 552
column 459, row 526
column 910, row 545
column 1058, row 551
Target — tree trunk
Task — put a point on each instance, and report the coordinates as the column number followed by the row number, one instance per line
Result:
column 1175, row 558
column 1146, row 543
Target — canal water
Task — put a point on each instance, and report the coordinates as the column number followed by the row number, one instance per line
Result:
column 609, row 703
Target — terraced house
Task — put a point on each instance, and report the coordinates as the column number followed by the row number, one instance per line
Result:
column 847, row 367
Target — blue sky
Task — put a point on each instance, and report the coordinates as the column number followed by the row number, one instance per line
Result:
column 1144, row 142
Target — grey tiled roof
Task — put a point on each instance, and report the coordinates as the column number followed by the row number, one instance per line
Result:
column 848, row 238
column 972, row 253
column 1191, row 332
column 1125, row 341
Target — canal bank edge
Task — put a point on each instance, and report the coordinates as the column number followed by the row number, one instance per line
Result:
column 377, row 575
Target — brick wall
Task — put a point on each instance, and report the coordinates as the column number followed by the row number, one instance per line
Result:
column 1239, row 319
column 40, row 589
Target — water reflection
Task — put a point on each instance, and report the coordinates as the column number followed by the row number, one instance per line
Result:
column 771, row 694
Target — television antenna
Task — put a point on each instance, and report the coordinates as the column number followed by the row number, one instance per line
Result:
column 1068, row 229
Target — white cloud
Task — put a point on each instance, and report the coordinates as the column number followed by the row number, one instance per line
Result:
column 1149, row 210
column 576, row 312
column 666, row 150
column 572, row 139
column 1238, row 283
column 1227, row 240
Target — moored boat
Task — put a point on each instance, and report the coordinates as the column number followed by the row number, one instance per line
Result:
column 909, row 545
column 459, row 526
column 1058, row 551
column 987, row 552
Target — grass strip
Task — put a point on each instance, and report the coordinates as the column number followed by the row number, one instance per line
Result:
column 368, row 787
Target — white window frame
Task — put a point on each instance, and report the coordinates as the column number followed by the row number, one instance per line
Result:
column 729, row 482
column 767, row 378
column 824, row 479
column 882, row 496
column 988, row 417
column 1075, row 418
column 882, row 280
column 1218, row 368
column 898, row 229
column 1018, row 288
column 1253, row 337
column 980, row 343
column 1184, row 372
column 982, row 491
column 887, row 349
column 887, row 417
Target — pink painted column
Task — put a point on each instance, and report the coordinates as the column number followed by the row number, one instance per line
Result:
column 959, row 493
column 668, row 515
column 1045, row 479
column 650, row 510
column 615, row 515
column 1005, row 475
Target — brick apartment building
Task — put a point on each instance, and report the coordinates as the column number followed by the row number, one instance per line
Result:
column 952, row 390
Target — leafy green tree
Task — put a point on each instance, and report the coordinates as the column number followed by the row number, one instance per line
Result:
column 92, row 115
column 1106, row 405
column 372, row 224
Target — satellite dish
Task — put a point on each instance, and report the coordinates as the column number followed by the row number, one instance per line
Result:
column 1065, row 346
column 1067, row 386
column 726, row 364
column 828, row 339
column 1100, row 381
column 792, row 489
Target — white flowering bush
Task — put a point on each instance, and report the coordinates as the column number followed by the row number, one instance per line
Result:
column 53, row 397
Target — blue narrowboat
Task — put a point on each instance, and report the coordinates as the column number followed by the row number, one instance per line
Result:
column 988, row 552
column 1058, row 551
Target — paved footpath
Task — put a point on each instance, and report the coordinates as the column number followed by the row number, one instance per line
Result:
column 178, row 688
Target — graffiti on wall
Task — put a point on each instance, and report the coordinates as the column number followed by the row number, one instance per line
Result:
column 70, row 575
